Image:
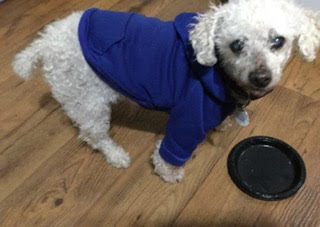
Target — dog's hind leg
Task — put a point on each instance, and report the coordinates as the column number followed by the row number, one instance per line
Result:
column 92, row 115
column 85, row 98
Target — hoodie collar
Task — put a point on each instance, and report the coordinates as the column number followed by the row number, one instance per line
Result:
column 208, row 76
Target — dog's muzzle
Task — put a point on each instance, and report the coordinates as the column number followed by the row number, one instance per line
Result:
column 243, row 95
column 260, row 78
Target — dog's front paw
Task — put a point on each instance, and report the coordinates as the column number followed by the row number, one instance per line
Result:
column 166, row 171
column 172, row 174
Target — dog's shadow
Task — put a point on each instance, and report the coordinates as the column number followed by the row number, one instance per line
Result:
column 124, row 114
column 130, row 115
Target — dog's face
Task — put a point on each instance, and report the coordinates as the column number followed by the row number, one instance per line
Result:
column 254, row 45
column 253, row 39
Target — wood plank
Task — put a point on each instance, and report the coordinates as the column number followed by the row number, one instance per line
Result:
column 18, row 106
column 28, row 22
column 113, row 195
column 283, row 114
column 303, row 78
column 146, row 200
column 21, row 158
column 30, row 18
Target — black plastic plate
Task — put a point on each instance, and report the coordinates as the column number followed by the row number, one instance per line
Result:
column 266, row 168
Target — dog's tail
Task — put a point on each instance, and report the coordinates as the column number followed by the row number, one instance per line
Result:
column 26, row 61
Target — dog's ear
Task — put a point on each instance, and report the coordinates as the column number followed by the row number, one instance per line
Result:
column 308, row 39
column 202, row 36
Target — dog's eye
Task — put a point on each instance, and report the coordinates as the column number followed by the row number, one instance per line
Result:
column 237, row 46
column 278, row 42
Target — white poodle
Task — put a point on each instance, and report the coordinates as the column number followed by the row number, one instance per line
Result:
column 199, row 68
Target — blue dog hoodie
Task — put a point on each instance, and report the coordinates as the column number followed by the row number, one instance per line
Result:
column 152, row 62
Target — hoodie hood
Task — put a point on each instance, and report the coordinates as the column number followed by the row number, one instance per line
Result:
column 210, row 77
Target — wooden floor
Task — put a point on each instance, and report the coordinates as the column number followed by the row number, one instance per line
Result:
column 50, row 178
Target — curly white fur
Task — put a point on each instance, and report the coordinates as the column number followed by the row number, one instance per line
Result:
column 256, row 22
column 202, row 37
column 87, row 100
column 84, row 97
column 309, row 39
column 166, row 171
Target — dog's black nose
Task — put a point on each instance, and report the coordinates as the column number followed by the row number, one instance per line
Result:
column 260, row 78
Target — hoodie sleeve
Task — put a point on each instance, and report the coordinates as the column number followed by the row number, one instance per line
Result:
column 185, row 130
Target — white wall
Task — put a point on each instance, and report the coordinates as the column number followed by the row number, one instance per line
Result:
column 312, row 4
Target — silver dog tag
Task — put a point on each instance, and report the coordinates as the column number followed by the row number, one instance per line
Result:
column 242, row 117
